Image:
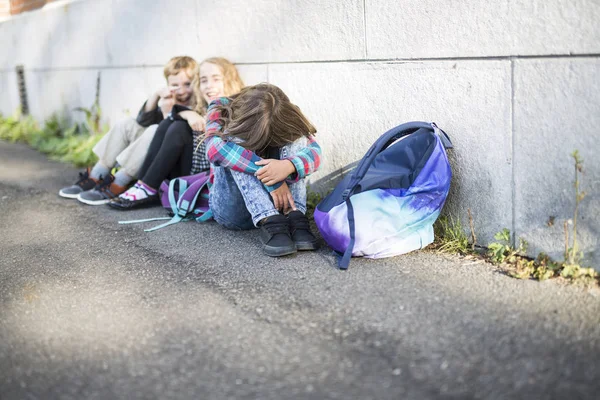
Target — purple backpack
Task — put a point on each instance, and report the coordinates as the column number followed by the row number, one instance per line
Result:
column 185, row 198
column 388, row 205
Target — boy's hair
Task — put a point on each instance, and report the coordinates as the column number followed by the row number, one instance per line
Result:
column 181, row 63
column 262, row 116
column 231, row 81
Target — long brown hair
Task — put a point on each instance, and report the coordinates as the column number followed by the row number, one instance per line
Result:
column 262, row 116
column 231, row 81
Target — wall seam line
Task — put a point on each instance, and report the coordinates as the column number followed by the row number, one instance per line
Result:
column 352, row 61
column 365, row 28
column 512, row 150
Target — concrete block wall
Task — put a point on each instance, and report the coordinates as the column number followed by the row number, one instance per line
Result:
column 516, row 84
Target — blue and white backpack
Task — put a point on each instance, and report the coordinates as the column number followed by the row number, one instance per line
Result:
column 388, row 204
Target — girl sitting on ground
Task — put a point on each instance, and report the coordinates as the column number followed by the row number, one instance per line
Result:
column 261, row 149
column 176, row 149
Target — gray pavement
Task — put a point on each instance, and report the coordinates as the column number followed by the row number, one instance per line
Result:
column 90, row 309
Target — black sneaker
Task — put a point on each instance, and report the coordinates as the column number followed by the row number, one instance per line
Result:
column 275, row 236
column 104, row 191
column 300, row 230
column 84, row 183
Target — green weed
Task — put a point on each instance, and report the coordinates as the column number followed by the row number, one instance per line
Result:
column 502, row 251
column 450, row 236
column 71, row 144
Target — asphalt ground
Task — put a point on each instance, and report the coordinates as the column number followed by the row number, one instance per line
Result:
column 90, row 309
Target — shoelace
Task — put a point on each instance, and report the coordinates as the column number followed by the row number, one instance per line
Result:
column 83, row 177
column 104, row 184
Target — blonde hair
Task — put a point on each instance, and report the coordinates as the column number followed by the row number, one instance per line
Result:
column 232, row 82
column 181, row 63
column 262, row 116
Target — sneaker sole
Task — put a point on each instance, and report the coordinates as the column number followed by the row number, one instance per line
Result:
column 278, row 251
column 307, row 246
column 119, row 206
column 93, row 202
column 67, row 195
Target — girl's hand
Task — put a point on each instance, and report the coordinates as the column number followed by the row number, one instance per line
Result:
column 274, row 171
column 195, row 120
column 282, row 198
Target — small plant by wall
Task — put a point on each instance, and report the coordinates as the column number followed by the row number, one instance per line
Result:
column 61, row 141
column 451, row 238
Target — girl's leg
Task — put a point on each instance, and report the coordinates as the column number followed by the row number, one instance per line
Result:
column 298, row 189
column 227, row 203
column 239, row 201
column 256, row 198
column 173, row 158
column 132, row 158
column 299, row 225
column 155, row 145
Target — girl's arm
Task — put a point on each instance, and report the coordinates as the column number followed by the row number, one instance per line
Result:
column 306, row 161
column 226, row 153
column 230, row 155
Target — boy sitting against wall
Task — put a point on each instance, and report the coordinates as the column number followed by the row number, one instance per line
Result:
column 127, row 142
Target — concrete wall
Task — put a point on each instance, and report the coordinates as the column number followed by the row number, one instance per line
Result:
column 515, row 83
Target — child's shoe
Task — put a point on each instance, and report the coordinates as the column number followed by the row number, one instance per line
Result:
column 275, row 236
column 85, row 182
column 104, row 191
column 137, row 196
column 300, row 231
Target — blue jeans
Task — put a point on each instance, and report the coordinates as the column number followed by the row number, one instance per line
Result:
column 239, row 200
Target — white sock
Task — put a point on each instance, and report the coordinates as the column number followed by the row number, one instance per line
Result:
column 138, row 191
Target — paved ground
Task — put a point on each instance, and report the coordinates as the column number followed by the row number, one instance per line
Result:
column 90, row 309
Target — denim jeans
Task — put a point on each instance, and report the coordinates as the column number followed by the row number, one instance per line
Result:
column 239, row 200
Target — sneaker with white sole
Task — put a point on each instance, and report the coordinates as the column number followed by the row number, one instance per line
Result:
column 85, row 182
column 104, row 191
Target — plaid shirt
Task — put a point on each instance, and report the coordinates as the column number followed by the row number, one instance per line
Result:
column 199, row 161
column 231, row 155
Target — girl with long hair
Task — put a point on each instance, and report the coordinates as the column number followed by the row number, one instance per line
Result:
column 177, row 149
column 261, row 149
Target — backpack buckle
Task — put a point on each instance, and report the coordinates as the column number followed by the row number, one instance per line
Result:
column 345, row 194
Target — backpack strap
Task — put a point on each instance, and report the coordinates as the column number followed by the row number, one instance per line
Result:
column 186, row 202
column 344, row 260
column 443, row 137
column 139, row 221
column 377, row 147
column 180, row 207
